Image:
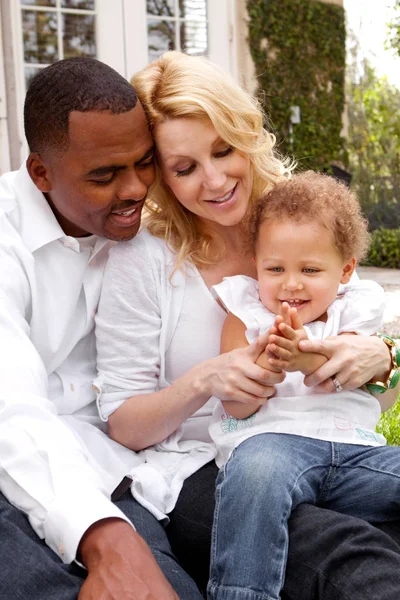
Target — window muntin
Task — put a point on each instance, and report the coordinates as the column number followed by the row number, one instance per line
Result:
column 177, row 25
column 56, row 29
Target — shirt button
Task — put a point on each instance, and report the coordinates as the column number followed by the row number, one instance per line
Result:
column 72, row 387
column 95, row 388
column 60, row 549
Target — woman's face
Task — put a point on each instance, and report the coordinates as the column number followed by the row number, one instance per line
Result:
column 207, row 176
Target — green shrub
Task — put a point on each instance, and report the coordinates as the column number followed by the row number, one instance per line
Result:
column 298, row 49
column 389, row 425
column 385, row 249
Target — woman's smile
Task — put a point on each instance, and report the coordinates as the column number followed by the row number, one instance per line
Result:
column 224, row 200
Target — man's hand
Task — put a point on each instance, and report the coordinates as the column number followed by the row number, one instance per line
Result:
column 284, row 344
column 120, row 565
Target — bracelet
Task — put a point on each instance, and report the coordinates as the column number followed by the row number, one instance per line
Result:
column 380, row 387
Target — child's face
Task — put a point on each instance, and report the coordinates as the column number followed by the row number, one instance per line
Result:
column 298, row 263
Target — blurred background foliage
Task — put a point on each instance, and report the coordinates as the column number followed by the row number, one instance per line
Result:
column 297, row 66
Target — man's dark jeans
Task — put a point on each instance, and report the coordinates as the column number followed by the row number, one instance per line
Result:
column 331, row 556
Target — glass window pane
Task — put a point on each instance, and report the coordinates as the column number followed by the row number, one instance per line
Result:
column 193, row 9
column 82, row 4
column 161, row 37
column 163, row 8
column 78, row 35
column 38, row 2
column 194, row 37
column 40, row 36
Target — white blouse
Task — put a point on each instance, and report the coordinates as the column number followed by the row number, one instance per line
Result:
column 151, row 328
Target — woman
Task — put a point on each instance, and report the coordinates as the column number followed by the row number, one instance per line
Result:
column 158, row 328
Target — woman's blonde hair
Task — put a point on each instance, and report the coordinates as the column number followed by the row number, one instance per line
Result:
column 182, row 86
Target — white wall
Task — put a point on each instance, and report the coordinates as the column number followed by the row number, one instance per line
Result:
column 4, row 151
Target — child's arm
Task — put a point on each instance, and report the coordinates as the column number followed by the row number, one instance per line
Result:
column 232, row 337
column 285, row 344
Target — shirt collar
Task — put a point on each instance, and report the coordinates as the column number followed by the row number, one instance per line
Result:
column 39, row 226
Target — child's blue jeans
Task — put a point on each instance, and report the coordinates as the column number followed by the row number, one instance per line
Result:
column 266, row 477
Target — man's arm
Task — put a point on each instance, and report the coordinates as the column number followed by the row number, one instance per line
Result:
column 44, row 470
column 121, row 565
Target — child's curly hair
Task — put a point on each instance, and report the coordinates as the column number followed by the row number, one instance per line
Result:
column 312, row 196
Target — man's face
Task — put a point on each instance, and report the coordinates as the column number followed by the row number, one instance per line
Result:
column 99, row 184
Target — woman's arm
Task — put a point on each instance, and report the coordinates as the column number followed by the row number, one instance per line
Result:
column 146, row 419
column 354, row 360
column 129, row 327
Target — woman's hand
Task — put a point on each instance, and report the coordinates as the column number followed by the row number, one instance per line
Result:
column 352, row 359
column 235, row 376
column 241, row 384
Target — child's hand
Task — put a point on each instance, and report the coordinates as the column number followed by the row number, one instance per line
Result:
column 284, row 344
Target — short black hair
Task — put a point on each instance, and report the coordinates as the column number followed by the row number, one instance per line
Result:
column 80, row 83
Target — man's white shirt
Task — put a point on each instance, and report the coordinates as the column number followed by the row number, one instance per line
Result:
column 56, row 464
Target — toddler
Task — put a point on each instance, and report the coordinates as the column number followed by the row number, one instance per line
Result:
column 300, row 446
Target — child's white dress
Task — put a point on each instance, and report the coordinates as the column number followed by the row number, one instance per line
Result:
column 348, row 416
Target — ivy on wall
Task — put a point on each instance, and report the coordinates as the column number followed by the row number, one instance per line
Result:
column 298, row 47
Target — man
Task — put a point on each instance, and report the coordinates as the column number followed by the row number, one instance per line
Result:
column 84, row 184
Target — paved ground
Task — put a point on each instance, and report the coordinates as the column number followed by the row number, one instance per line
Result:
column 389, row 279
